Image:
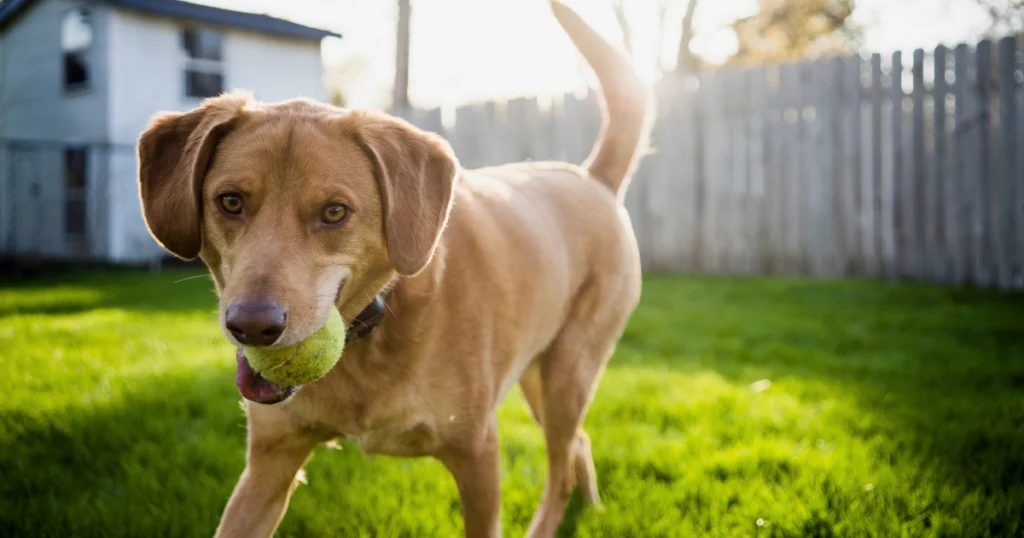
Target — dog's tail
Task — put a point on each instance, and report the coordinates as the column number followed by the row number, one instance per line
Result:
column 627, row 107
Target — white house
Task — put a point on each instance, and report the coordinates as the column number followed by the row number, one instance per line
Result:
column 79, row 80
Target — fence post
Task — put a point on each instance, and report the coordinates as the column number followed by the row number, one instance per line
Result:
column 853, row 252
column 791, row 170
column 715, row 157
column 1006, row 223
column 736, row 211
column 830, row 173
column 892, row 193
column 980, row 228
column 758, row 166
column 1019, row 184
column 939, row 181
column 922, row 239
column 774, row 184
column 873, row 185
column 965, row 162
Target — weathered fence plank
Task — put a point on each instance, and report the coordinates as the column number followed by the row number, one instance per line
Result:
column 850, row 164
column 1006, row 224
column 720, row 183
column 964, row 163
column 1019, row 180
column 938, row 183
column 775, row 179
column 803, row 200
column 737, row 215
column 875, row 178
column 758, row 165
column 921, row 238
column 662, row 187
column 715, row 158
column 980, row 221
column 792, row 167
column 891, row 126
column 830, row 179
column 898, row 248
column 687, row 177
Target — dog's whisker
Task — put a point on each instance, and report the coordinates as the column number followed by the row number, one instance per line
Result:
column 190, row 278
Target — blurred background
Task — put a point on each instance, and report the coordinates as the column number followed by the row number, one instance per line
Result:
column 831, row 219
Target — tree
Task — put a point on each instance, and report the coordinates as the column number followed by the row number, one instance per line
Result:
column 686, row 61
column 788, row 29
column 401, row 95
column 627, row 31
column 1006, row 17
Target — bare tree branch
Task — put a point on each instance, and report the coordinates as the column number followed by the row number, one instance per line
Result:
column 627, row 31
column 685, row 60
column 401, row 95
column 1006, row 17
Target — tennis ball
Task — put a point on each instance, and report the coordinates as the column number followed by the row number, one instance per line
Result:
column 306, row 361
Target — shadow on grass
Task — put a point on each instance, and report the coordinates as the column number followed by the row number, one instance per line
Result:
column 577, row 507
column 171, row 290
column 160, row 460
column 162, row 457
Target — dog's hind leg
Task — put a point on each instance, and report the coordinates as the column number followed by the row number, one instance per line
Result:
column 586, row 476
column 567, row 375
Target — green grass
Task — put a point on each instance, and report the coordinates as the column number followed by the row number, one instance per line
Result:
column 891, row 411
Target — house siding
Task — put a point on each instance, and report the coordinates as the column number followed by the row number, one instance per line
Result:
column 151, row 45
column 36, row 112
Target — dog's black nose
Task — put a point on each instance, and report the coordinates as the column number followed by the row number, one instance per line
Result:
column 256, row 323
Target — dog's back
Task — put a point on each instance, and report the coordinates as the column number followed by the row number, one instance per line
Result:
column 549, row 245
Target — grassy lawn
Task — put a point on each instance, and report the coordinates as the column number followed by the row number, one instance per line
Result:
column 887, row 411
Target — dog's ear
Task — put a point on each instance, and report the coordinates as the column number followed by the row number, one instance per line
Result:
column 174, row 153
column 416, row 172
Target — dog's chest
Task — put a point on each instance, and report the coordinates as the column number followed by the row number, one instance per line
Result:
column 401, row 434
column 387, row 425
column 416, row 437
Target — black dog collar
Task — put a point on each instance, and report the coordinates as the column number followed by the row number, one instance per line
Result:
column 367, row 321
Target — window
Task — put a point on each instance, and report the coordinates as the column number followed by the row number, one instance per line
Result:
column 75, row 40
column 202, row 44
column 204, row 75
column 76, row 167
column 199, row 84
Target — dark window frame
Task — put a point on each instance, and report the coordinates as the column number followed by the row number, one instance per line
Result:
column 204, row 68
column 76, row 189
column 76, row 73
column 202, row 84
column 203, row 44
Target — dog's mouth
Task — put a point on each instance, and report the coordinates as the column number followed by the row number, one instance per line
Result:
column 257, row 388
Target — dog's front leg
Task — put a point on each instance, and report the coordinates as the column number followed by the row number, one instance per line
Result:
column 275, row 454
column 477, row 475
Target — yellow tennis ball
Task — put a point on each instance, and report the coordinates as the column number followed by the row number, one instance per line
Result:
column 304, row 362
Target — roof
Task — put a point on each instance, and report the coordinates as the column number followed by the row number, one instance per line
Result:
column 178, row 9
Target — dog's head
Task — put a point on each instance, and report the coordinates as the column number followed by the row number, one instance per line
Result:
column 295, row 207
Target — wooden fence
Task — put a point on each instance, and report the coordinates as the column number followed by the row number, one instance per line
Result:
column 897, row 167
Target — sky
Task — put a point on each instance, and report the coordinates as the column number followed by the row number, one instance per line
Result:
column 477, row 50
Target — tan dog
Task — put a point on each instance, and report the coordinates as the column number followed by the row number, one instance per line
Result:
column 525, row 272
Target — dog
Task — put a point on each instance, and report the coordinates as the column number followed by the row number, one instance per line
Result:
column 457, row 283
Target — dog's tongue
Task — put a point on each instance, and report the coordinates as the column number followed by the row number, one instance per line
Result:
column 255, row 387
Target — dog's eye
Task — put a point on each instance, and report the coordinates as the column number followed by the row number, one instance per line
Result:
column 230, row 203
column 334, row 214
